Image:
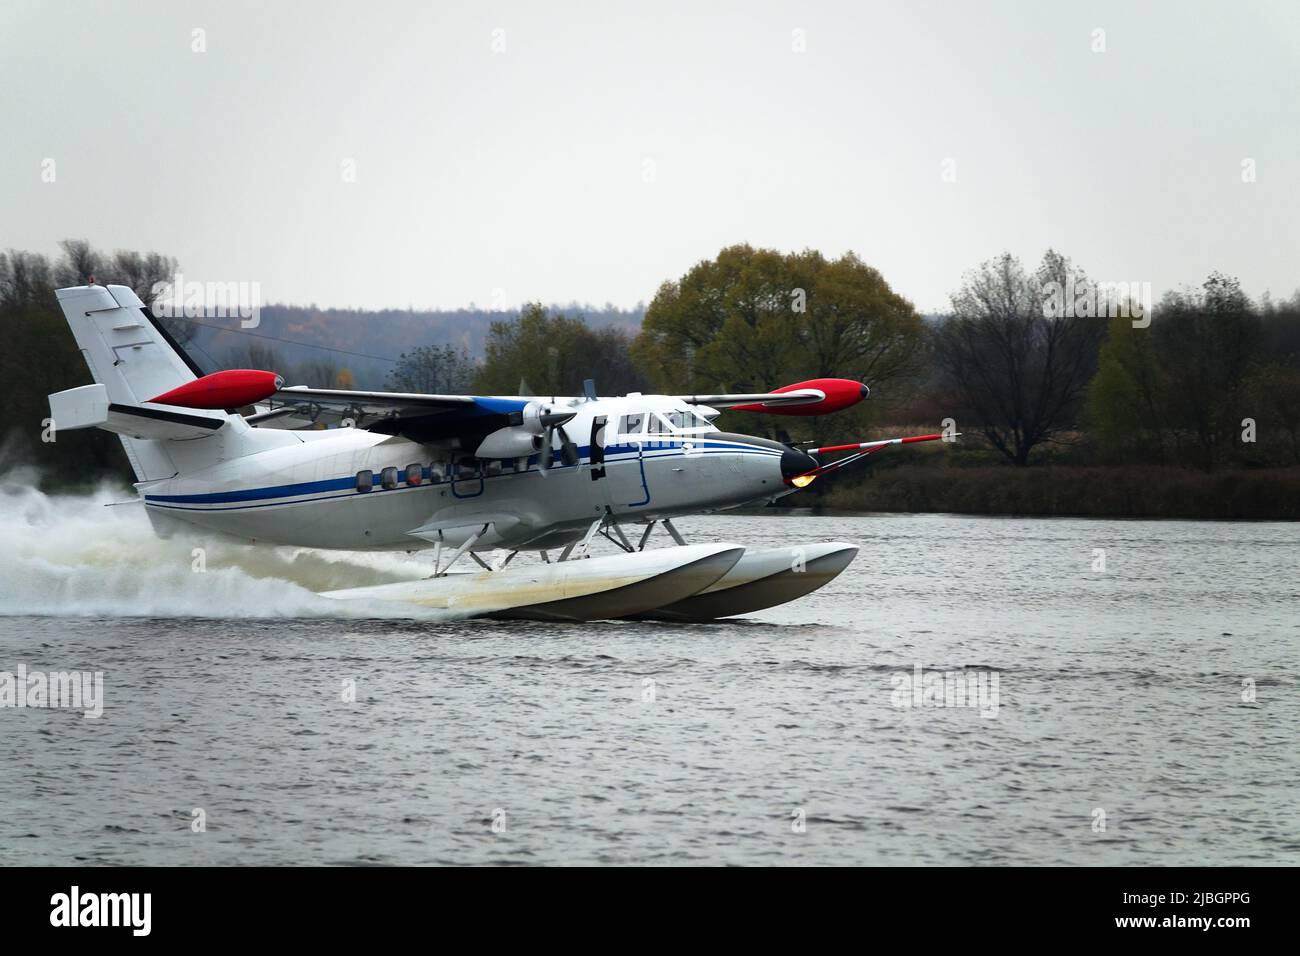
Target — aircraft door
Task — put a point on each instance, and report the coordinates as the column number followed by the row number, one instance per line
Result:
column 466, row 477
column 597, row 469
column 622, row 461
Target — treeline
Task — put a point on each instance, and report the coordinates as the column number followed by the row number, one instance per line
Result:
column 312, row 346
column 535, row 351
column 1206, row 378
column 1185, row 407
column 1030, row 366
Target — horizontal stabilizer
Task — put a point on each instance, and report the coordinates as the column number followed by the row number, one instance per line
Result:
column 89, row 407
column 84, row 407
column 155, row 423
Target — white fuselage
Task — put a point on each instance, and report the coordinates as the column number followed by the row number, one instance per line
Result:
column 354, row 489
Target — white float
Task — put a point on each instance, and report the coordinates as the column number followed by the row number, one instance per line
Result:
column 587, row 589
column 762, row 579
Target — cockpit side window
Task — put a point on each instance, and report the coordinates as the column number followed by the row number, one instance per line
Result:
column 632, row 424
column 667, row 423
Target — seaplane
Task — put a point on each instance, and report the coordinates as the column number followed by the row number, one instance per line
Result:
column 239, row 453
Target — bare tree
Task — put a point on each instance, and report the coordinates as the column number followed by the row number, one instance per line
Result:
column 141, row 271
column 433, row 370
column 25, row 279
column 79, row 263
column 1018, row 362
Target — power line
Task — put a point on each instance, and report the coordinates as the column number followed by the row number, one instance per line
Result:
column 274, row 338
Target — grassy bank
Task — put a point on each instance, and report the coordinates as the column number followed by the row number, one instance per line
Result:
column 1086, row 491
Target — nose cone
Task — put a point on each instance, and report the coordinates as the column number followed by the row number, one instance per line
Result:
column 795, row 463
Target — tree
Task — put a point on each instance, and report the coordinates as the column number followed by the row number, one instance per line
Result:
column 1125, row 404
column 1271, row 395
column 142, row 271
column 552, row 354
column 79, row 263
column 1208, row 341
column 433, row 370
column 138, row 271
column 260, row 356
column 1019, row 367
column 321, row 372
column 25, row 280
column 757, row 319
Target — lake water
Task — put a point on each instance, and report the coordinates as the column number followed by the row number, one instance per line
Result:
column 1146, row 713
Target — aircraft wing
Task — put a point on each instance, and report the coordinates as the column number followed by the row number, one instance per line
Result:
column 802, row 396
column 415, row 416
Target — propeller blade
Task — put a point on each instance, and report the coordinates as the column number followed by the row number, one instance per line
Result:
column 568, row 450
column 544, row 453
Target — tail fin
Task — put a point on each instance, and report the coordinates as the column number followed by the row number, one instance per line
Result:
column 134, row 359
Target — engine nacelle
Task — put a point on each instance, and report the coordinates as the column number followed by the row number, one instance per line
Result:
column 513, row 441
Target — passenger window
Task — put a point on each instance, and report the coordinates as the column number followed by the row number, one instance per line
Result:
column 492, row 467
column 388, row 478
column 365, row 480
column 632, row 424
column 414, row 474
column 463, row 469
column 435, row 472
column 659, row 427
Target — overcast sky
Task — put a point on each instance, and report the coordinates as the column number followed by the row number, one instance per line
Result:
column 562, row 151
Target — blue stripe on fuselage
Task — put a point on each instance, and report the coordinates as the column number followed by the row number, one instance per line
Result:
column 667, row 449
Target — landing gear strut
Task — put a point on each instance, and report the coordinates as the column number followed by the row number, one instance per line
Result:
column 608, row 527
column 668, row 526
column 439, row 570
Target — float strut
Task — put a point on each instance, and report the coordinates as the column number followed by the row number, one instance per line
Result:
column 668, row 525
column 646, row 535
column 612, row 522
column 591, row 533
column 462, row 549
